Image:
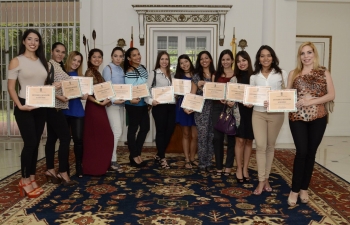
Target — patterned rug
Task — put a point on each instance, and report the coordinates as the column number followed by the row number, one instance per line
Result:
column 177, row 196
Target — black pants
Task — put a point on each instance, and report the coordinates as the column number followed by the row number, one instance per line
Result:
column 138, row 118
column 57, row 128
column 164, row 116
column 31, row 125
column 307, row 137
column 218, row 141
column 76, row 125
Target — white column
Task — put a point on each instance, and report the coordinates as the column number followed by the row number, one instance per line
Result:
column 96, row 23
column 269, row 23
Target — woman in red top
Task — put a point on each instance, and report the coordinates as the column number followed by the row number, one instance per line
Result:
column 223, row 74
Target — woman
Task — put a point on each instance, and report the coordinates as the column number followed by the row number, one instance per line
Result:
column 115, row 74
column 185, row 70
column 314, row 87
column 223, row 74
column 98, row 136
column 204, row 72
column 75, row 112
column 164, row 115
column 29, row 68
column 57, row 126
column 244, row 136
column 266, row 126
column 137, row 109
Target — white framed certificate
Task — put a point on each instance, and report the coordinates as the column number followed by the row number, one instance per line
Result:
column 163, row 94
column 214, row 90
column 123, row 91
column 71, row 88
column 282, row 100
column 255, row 95
column 235, row 92
column 103, row 91
column 40, row 96
column 193, row 102
column 140, row 91
column 181, row 86
column 86, row 84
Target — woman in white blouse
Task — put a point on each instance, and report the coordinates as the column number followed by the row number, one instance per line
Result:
column 266, row 126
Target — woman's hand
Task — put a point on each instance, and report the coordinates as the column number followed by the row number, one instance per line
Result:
column 230, row 103
column 201, row 83
column 26, row 107
column 84, row 97
column 266, row 104
column 62, row 98
column 105, row 102
column 135, row 100
column 223, row 101
column 154, row 103
column 57, row 85
column 188, row 111
column 119, row 101
column 249, row 105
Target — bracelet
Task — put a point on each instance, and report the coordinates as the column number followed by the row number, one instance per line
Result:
column 97, row 102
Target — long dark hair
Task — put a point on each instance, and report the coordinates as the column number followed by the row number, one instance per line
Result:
column 54, row 45
column 180, row 72
column 220, row 68
column 127, row 62
column 96, row 73
column 199, row 68
column 159, row 56
column 275, row 61
column 237, row 72
column 39, row 52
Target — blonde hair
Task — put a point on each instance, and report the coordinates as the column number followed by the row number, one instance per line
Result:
column 68, row 65
column 299, row 67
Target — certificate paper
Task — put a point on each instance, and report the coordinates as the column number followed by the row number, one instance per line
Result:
column 86, row 84
column 214, row 90
column 255, row 95
column 103, row 91
column 181, row 86
column 40, row 96
column 163, row 94
column 140, row 91
column 122, row 91
column 282, row 100
column 193, row 102
column 235, row 92
column 71, row 89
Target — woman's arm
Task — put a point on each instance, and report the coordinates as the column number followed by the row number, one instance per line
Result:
column 290, row 80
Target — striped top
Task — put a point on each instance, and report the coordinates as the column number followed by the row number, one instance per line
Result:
column 136, row 78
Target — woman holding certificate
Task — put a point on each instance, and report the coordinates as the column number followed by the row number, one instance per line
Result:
column 244, row 136
column 204, row 72
column 75, row 112
column 137, row 109
column 57, row 126
column 98, row 136
column 223, row 74
column 29, row 68
column 314, row 87
column 114, row 73
column 266, row 126
column 164, row 115
column 185, row 71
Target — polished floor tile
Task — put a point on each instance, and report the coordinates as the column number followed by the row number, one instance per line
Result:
column 333, row 153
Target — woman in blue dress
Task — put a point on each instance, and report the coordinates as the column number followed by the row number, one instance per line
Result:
column 185, row 70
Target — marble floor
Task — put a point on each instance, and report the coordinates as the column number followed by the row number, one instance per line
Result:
column 333, row 153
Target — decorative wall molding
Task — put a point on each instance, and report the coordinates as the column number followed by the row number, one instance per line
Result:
column 183, row 14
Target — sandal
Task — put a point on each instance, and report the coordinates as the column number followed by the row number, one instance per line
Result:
column 209, row 169
column 218, row 172
column 163, row 164
column 239, row 180
column 290, row 202
column 304, row 199
column 188, row 165
column 227, row 172
column 194, row 163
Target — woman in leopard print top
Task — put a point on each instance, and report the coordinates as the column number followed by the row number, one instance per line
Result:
column 314, row 87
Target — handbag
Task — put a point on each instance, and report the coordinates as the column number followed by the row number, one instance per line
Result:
column 226, row 122
column 329, row 106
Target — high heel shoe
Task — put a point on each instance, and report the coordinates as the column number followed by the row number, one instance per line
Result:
column 137, row 165
column 78, row 169
column 239, row 180
column 51, row 178
column 39, row 189
column 22, row 192
column 164, row 164
column 304, row 200
column 66, row 182
column 291, row 202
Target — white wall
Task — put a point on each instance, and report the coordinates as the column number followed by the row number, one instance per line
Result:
column 332, row 19
column 246, row 16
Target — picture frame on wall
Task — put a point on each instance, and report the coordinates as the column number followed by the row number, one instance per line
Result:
column 323, row 45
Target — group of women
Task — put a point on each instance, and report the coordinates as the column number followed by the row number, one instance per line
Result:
column 97, row 129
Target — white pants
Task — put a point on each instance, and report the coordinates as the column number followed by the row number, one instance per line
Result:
column 116, row 120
